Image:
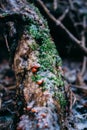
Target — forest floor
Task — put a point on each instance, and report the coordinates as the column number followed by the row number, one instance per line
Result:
column 78, row 86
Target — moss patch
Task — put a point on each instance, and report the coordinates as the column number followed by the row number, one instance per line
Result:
column 48, row 58
column 61, row 98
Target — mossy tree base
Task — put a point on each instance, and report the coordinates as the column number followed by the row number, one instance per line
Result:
column 37, row 66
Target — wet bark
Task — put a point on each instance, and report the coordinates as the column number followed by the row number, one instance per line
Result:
column 36, row 64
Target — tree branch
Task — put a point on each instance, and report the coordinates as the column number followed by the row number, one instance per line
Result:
column 63, row 15
column 71, row 4
column 58, row 23
column 55, row 4
column 6, row 41
column 84, row 44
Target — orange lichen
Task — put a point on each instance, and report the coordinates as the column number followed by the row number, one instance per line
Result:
column 40, row 82
column 33, row 110
column 34, row 70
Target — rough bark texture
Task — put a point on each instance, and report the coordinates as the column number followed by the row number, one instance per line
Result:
column 36, row 64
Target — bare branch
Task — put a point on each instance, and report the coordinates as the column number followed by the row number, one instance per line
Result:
column 71, row 4
column 63, row 15
column 58, row 23
column 84, row 65
column 55, row 4
column 78, row 24
column 6, row 43
column 84, row 44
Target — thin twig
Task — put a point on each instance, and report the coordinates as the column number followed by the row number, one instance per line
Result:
column 63, row 15
column 72, row 99
column 82, row 87
column 78, row 24
column 6, row 43
column 71, row 96
column 84, row 65
column 58, row 23
column 84, row 44
column 71, row 4
column 55, row 4
column 0, row 102
column 11, row 87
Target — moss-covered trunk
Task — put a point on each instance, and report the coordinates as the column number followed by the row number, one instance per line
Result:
column 36, row 64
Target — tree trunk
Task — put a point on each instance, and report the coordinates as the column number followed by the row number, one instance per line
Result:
column 37, row 66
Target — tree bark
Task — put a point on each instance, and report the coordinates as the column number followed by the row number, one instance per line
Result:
column 37, row 66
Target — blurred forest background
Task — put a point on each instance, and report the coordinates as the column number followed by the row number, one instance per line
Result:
column 69, row 25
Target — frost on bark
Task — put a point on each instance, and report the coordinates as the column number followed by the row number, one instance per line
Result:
column 36, row 64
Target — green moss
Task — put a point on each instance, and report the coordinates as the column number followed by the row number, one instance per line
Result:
column 35, row 78
column 33, row 30
column 57, row 80
column 61, row 98
column 47, row 48
column 38, row 33
column 48, row 55
column 48, row 58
